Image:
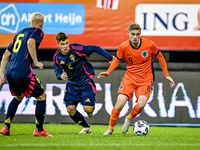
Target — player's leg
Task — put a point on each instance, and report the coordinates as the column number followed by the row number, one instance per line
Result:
column 121, row 101
column 138, row 108
column 40, row 109
column 72, row 98
column 88, row 97
column 88, row 93
column 40, row 116
column 142, row 94
column 89, row 110
column 12, row 108
column 125, row 92
column 16, row 90
column 76, row 116
column 135, row 111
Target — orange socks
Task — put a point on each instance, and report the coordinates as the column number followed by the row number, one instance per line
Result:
column 113, row 118
column 135, row 111
column 115, row 115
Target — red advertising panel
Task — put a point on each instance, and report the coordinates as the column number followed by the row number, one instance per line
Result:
column 171, row 24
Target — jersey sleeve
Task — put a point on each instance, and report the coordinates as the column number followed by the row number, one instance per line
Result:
column 154, row 48
column 156, row 52
column 163, row 63
column 91, row 49
column 37, row 35
column 57, row 68
column 113, row 66
column 117, row 60
column 120, row 54
column 10, row 47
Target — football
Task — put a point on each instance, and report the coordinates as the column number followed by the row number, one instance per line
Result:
column 141, row 128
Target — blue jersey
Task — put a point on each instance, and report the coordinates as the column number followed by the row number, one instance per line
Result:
column 76, row 65
column 20, row 61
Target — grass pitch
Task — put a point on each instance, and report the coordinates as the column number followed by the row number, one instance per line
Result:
column 67, row 137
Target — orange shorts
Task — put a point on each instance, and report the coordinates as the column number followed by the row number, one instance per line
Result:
column 127, row 88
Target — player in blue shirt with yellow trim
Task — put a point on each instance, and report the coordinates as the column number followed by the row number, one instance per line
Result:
column 17, row 64
column 70, row 62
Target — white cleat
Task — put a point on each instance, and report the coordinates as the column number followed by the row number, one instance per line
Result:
column 126, row 125
column 85, row 130
column 108, row 132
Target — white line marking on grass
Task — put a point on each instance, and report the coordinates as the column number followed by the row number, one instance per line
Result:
column 93, row 144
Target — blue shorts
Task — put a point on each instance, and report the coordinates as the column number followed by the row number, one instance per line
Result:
column 29, row 86
column 84, row 94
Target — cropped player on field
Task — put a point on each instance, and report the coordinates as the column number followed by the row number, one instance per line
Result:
column 139, row 76
column 16, row 62
column 70, row 62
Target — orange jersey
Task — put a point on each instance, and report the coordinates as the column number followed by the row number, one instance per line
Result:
column 139, row 61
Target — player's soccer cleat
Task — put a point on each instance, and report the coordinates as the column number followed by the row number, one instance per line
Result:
column 90, row 114
column 108, row 132
column 85, row 130
column 5, row 131
column 126, row 125
column 42, row 133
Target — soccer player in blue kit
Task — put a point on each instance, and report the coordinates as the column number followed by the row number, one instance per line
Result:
column 70, row 62
column 16, row 63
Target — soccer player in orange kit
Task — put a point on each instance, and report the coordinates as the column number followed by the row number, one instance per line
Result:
column 139, row 77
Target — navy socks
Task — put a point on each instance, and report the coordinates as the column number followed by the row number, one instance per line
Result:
column 12, row 108
column 40, row 114
column 79, row 119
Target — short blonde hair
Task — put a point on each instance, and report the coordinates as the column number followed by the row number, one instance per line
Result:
column 37, row 17
column 134, row 26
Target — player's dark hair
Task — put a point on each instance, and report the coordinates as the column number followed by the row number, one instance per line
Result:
column 134, row 26
column 61, row 36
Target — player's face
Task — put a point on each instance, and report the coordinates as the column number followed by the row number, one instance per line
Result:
column 134, row 36
column 64, row 46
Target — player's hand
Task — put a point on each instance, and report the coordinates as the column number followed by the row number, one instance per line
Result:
column 112, row 60
column 38, row 65
column 102, row 74
column 1, row 79
column 172, row 84
column 64, row 76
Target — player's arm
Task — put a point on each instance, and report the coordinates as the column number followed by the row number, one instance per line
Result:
column 112, row 67
column 60, row 75
column 31, row 43
column 90, row 49
column 163, row 65
column 4, row 62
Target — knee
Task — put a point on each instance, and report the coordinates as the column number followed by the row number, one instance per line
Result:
column 140, row 105
column 42, row 97
column 88, row 109
column 19, row 98
column 118, row 107
column 142, row 100
column 71, row 110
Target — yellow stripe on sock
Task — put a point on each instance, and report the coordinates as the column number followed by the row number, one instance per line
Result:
column 8, row 120
column 37, row 121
